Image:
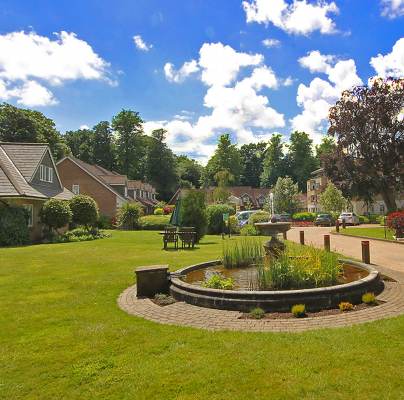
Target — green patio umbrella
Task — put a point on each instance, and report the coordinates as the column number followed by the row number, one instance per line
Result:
column 176, row 215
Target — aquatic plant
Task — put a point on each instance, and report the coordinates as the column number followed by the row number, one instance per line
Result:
column 299, row 268
column 242, row 253
column 217, row 281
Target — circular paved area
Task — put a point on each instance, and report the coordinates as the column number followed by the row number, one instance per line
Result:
column 206, row 318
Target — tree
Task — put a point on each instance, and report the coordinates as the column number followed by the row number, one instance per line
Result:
column 193, row 212
column 223, row 179
column 325, row 148
column 286, row 196
column 81, row 144
column 129, row 129
column 368, row 125
column 104, row 153
column 332, row 200
column 55, row 214
column 300, row 158
column 274, row 165
column 189, row 171
column 161, row 166
column 226, row 157
column 29, row 126
column 84, row 210
column 252, row 156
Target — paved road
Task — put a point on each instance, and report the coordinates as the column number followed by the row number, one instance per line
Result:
column 389, row 255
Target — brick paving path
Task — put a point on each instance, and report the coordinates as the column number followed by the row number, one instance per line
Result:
column 207, row 318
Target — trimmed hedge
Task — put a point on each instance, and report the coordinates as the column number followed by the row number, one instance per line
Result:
column 260, row 216
column 214, row 215
column 55, row 214
column 154, row 222
column 84, row 209
column 304, row 216
column 14, row 229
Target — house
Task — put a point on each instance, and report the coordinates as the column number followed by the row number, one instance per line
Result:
column 29, row 177
column 244, row 197
column 108, row 188
column 318, row 182
column 315, row 186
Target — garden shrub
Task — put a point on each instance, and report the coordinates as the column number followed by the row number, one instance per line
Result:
column 363, row 219
column 369, row 298
column 14, row 229
column 168, row 209
column 105, row 222
column 248, row 230
column 304, row 216
column 158, row 211
column 345, row 306
column 154, row 222
column 233, row 223
column 193, row 212
column 260, row 216
column 395, row 220
column 81, row 234
column 214, row 215
column 299, row 310
column 217, row 281
column 84, row 209
column 382, row 219
column 128, row 216
column 56, row 213
column 257, row 313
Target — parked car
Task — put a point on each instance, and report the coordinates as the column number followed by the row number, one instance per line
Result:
column 324, row 220
column 349, row 217
column 281, row 218
column 243, row 216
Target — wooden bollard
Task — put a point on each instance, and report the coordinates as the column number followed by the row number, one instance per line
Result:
column 343, row 223
column 285, row 236
column 327, row 242
column 365, row 251
column 301, row 237
column 337, row 225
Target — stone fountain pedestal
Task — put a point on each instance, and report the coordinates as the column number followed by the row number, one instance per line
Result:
column 274, row 246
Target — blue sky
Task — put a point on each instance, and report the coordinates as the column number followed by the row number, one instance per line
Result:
column 232, row 81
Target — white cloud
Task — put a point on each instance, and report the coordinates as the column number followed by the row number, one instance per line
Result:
column 297, row 17
column 316, row 62
column 27, row 60
column 141, row 44
column 235, row 104
column 220, row 64
column 392, row 64
column 84, row 126
column 271, row 42
column 392, row 8
column 321, row 94
column 188, row 68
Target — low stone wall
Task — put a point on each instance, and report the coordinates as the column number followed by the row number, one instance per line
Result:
column 277, row 300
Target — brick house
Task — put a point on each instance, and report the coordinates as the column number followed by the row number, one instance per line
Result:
column 108, row 188
column 29, row 177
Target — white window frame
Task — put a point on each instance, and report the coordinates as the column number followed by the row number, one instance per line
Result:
column 45, row 173
column 76, row 189
column 126, row 191
column 30, row 209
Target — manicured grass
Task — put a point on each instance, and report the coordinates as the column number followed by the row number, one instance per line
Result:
column 374, row 232
column 63, row 336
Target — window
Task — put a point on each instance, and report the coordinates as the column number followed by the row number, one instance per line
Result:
column 45, row 173
column 382, row 209
column 76, row 189
column 30, row 209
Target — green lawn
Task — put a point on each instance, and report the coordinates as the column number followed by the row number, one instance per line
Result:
column 62, row 336
column 374, row 232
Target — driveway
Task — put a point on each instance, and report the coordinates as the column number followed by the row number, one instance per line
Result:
column 389, row 255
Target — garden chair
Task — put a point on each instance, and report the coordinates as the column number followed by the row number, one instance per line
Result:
column 170, row 236
column 188, row 237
